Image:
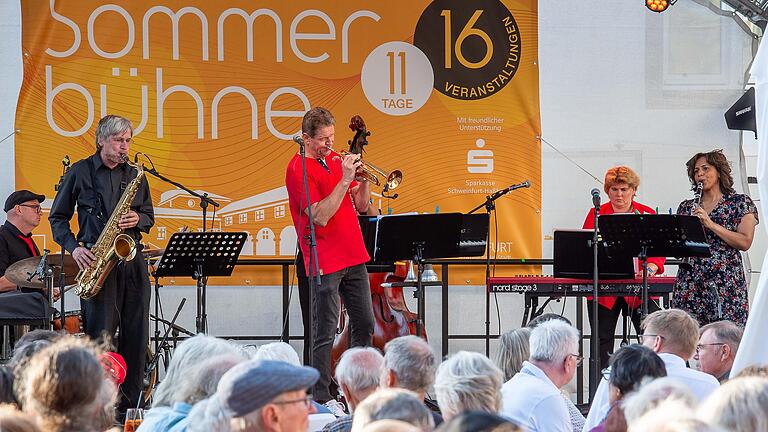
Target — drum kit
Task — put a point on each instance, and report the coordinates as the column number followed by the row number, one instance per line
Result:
column 23, row 274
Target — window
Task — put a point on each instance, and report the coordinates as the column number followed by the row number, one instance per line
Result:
column 279, row 211
column 259, row 215
column 161, row 233
column 243, row 218
column 228, row 220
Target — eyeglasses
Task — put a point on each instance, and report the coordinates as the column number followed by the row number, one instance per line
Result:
column 34, row 207
column 643, row 336
column 579, row 359
column 700, row 346
column 307, row 400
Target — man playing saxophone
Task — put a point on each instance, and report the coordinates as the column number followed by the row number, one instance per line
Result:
column 95, row 186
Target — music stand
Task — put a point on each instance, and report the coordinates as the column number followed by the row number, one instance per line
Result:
column 418, row 237
column 644, row 235
column 199, row 255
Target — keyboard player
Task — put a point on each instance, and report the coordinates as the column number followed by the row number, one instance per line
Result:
column 621, row 185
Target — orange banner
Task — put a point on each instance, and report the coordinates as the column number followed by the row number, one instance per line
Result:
column 216, row 90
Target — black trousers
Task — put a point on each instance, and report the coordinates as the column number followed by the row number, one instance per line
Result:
column 607, row 319
column 122, row 306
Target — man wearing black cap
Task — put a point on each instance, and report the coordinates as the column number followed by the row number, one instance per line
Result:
column 23, row 211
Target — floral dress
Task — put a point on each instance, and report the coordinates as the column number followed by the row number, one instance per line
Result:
column 714, row 288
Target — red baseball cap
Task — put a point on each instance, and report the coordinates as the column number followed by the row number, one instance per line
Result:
column 114, row 366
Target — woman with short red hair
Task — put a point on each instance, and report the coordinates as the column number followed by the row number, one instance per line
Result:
column 621, row 185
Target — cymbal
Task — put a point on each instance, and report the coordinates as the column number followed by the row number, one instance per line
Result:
column 18, row 272
column 152, row 253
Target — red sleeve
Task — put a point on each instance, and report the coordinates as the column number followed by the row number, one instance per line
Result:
column 658, row 261
column 589, row 222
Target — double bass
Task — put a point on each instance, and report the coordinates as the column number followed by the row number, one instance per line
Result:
column 392, row 318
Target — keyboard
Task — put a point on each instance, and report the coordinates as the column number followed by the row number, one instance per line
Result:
column 547, row 285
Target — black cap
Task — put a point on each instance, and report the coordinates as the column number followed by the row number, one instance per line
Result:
column 20, row 197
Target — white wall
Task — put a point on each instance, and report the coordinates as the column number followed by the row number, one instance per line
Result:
column 11, row 73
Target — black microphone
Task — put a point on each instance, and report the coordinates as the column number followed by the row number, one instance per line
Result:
column 298, row 140
column 596, row 197
column 40, row 269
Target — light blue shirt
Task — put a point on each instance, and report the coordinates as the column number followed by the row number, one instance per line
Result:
column 532, row 400
column 166, row 419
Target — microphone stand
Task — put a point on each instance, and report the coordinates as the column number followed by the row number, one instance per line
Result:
column 163, row 343
column 44, row 273
column 62, row 277
column 202, row 280
column 490, row 207
column 314, row 280
column 594, row 340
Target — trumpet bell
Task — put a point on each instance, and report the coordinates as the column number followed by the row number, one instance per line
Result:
column 394, row 179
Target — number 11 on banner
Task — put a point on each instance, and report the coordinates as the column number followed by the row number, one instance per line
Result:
column 397, row 78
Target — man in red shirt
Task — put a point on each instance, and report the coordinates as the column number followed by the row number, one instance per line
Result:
column 334, row 195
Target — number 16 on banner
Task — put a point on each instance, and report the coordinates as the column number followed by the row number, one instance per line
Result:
column 397, row 78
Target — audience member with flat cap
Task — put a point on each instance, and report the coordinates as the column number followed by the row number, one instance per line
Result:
column 255, row 396
column 717, row 347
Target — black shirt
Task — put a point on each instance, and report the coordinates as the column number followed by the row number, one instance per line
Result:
column 12, row 248
column 96, row 204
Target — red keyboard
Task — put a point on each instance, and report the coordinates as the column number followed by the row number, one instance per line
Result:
column 547, row 285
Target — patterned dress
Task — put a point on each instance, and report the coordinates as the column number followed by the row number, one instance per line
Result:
column 715, row 288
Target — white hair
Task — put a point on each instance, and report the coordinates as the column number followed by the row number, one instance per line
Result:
column 552, row 341
column 739, row 405
column 189, row 354
column 393, row 404
column 209, row 415
column 279, row 351
column 111, row 125
column 468, row 381
column 359, row 369
column 203, row 379
column 413, row 362
column 653, row 394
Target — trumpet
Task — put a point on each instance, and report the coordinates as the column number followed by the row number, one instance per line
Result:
column 372, row 173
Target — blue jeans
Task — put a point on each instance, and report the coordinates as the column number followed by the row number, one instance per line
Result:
column 351, row 284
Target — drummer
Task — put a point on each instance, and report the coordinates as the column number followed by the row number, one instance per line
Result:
column 23, row 213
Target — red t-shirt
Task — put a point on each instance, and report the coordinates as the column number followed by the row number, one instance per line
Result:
column 340, row 242
column 589, row 223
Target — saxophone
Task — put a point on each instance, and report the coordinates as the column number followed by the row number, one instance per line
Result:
column 113, row 245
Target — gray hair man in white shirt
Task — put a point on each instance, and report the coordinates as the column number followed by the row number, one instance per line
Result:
column 532, row 397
